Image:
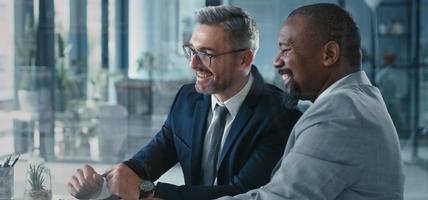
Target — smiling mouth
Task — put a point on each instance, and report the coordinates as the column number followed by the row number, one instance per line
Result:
column 286, row 77
column 201, row 74
column 285, row 73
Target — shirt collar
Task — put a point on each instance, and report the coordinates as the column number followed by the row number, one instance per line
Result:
column 348, row 79
column 234, row 103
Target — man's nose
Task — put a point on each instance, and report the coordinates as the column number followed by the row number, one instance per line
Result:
column 195, row 62
column 278, row 62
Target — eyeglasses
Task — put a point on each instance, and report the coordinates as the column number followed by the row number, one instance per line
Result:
column 204, row 57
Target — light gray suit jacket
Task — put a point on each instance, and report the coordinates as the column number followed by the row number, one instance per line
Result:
column 344, row 146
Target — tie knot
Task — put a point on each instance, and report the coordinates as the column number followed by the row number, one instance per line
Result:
column 221, row 111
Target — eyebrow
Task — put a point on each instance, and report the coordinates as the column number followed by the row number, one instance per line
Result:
column 203, row 48
column 282, row 44
column 289, row 42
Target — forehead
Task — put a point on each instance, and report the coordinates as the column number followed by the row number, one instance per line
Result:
column 294, row 28
column 209, row 37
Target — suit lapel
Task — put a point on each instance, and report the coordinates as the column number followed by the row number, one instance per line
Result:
column 238, row 124
column 245, row 113
column 199, row 128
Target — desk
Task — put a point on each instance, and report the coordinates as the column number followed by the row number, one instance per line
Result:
column 61, row 173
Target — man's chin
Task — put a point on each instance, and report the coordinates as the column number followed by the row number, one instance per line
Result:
column 293, row 95
column 203, row 90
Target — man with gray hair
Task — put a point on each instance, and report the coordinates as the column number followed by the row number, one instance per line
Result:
column 227, row 130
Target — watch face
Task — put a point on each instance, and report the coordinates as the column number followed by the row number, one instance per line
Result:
column 146, row 186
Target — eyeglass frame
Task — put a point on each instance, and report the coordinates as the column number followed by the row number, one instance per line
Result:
column 205, row 54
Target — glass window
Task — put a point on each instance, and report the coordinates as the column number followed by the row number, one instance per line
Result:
column 99, row 114
column 6, row 76
column 85, row 110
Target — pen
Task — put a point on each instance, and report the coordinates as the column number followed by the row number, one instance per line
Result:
column 6, row 163
column 16, row 160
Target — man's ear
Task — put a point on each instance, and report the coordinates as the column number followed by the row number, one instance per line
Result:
column 331, row 53
column 247, row 58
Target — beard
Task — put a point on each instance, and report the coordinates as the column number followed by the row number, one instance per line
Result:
column 292, row 90
column 207, row 90
column 212, row 88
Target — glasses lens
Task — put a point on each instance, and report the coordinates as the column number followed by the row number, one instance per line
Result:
column 200, row 57
column 204, row 59
column 188, row 52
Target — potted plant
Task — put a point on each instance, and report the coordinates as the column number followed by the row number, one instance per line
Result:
column 100, row 82
column 146, row 62
column 38, row 183
column 33, row 93
column 66, row 88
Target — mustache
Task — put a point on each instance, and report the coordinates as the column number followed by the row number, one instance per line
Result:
column 282, row 71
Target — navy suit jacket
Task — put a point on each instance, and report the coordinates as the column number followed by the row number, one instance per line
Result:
column 255, row 143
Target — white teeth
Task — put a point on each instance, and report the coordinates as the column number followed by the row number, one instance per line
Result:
column 285, row 77
column 202, row 75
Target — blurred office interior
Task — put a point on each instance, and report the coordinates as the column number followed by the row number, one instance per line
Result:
column 91, row 81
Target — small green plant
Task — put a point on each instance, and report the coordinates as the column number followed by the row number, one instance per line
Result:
column 37, row 180
column 146, row 61
column 66, row 83
column 36, row 177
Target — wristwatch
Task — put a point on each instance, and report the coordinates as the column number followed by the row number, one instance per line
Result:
column 146, row 188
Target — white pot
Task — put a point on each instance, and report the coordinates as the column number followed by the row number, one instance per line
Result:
column 34, row 100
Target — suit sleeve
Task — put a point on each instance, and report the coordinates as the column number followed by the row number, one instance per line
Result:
column 159, row 155
column 323, row 161
column 255, row 172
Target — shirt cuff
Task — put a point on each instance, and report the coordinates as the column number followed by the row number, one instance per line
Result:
column 103, row 194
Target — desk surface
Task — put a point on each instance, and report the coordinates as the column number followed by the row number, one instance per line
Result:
column 61, row 173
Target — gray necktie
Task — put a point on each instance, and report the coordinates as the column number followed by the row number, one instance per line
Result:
column 216, row 129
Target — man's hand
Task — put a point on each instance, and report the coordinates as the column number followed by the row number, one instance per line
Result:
column 123, row 182
column 85, row 183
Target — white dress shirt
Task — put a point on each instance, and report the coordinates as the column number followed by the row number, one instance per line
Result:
column 233, row 104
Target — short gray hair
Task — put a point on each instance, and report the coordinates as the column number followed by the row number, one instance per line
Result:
column 238, row 23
